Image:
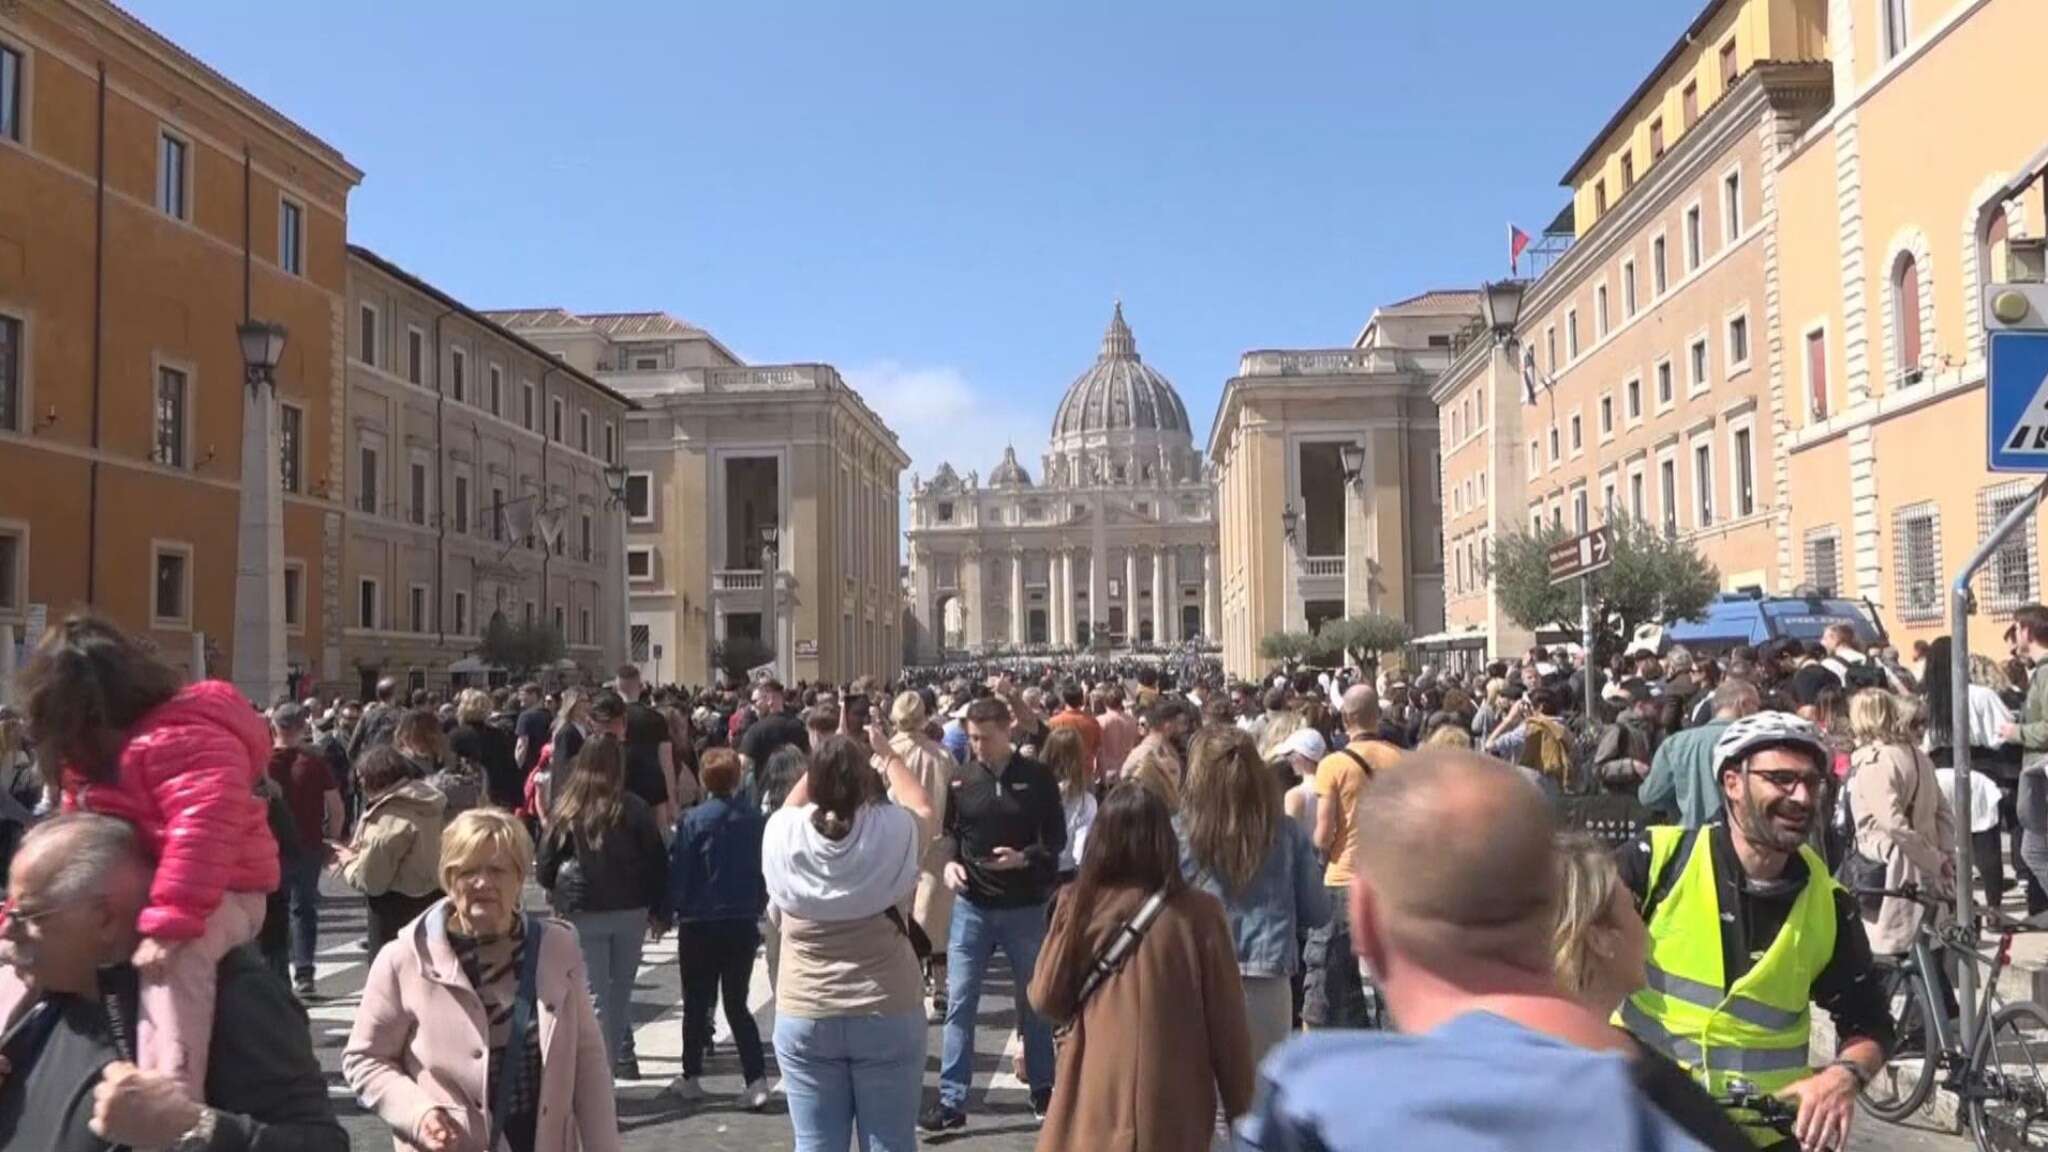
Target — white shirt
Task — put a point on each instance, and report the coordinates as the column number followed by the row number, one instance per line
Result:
column 1983, row 797
column 1080, row 817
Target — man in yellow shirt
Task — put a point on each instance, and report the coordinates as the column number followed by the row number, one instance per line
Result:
column 1334, row 992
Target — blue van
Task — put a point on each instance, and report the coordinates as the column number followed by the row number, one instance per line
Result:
column 1734, row 618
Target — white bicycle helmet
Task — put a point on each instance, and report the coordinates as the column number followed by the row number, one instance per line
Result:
column 1769, row 730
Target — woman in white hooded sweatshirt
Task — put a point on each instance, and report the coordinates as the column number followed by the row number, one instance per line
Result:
column 839, row 859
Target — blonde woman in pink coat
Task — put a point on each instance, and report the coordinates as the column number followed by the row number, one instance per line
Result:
column 448, row 1051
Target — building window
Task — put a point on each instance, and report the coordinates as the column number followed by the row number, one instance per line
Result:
column 611, row 442
column 1550, row 349
column 1599, row 198
column 366, row 491
column 1703, row 484
column 1729, row 70
column 415, row 357
column 640, row 564
column 172, row 392
column 418, row 473
column 526, row 409
column 1606, row 416
column 1916, row 561
column 1609, row 504
column 1665, row 393
column 1696, row 365
column 368, row 603
column 1906, row 316
column 1628, row 288
column 1656, row 140
column 1667, row 482
column 291, row 237
column 1628, row 171
column 555, row 419
column 497, row 512
column 366, row 335
column 1636, row 506
column 640, row 497
column 1895, row 28
column 294, row 596
column 496, row 398
column 1690, row 100
column 1738, row 344
column 11, row 364
column 1823, row 561
column 1743, row 447
column 171, row 601
column 1693, row 237
column 1600, row 323
column 2008, row 580
column 1571, row 335
column 583, row 431
column 290, row 427
column 583, row 625
column 1554, row 441
column 1731, row 205
column 10, row 93
column 461, row 613
column 458, row 375
column 1632, row 399
column 461, row 504
column 173, row 176
column 13, row 568
column 1660, row 276
column 1580, row 513
column 1535, row 457
column 586, row 537
column 639, row 639
column 1578, row 438
column 561, row 622
column 1817, row 373
column 416, row 609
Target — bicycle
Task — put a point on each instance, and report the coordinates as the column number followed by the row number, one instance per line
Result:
column 1755, row 1109
column 1995, row 1073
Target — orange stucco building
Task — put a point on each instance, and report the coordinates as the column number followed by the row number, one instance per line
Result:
column 147, row 206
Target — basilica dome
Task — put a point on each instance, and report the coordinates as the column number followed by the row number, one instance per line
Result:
column 1119, row 393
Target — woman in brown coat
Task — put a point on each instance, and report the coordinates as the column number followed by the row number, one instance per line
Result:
column 1159, row 1041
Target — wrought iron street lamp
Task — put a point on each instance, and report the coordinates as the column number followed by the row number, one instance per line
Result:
column 615, row 480
column 1352, row 458
column 1500, row 304
column 262, row 347
column 1290, row 520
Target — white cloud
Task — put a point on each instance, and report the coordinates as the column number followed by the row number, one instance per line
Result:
column 940, row 416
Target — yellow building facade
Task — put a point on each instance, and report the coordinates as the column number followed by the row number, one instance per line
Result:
column 1771, row 288
column 147, row 207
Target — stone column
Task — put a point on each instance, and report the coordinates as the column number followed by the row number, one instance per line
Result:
column 973, row 600
column 1016, row 596
column 1211, row 593
column 1130, row 596
column 1066, row 635
column 259, row 668
column 1173, row 596
column 1159, row 597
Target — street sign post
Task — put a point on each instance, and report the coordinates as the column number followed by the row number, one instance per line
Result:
column 1577, row 559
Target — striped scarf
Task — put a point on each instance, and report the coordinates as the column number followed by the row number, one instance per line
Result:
column 491, row 965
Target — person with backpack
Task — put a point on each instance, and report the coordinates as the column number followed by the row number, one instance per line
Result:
column 1334, row 993
column 425, row 746
column 312, row 800
column 1161, row 942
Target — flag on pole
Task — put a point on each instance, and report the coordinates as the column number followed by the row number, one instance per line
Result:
column 1530, row 375
column 1517, row 241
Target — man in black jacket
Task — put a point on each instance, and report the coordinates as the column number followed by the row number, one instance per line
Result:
column 1007, row 825
column 68, row 999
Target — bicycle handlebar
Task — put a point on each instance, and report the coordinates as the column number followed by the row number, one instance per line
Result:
column 1770, row 1111
column 1914, row 893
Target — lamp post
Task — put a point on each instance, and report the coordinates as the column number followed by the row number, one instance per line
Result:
column 615, row 483
column 1500, row 305
column 259, row 668
column 1351, row 457
column 771, row 627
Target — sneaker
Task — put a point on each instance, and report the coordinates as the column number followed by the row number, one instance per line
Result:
column 686, row 1089
column 304, row 988
column 1041, row 1103
column 755, row 1097
column 939, row 1118
column 628, row 1068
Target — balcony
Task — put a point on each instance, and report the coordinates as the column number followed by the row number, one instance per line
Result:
column 1315, row 566
column 738, row 580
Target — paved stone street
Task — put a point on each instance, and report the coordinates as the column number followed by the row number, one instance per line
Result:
column 652, row 1120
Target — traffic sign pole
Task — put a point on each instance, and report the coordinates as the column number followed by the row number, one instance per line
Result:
column 1592, row 672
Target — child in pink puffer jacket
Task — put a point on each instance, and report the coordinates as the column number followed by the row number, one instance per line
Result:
column 181, row 764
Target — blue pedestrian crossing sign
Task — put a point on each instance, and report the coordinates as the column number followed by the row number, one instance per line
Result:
column 2016, row 400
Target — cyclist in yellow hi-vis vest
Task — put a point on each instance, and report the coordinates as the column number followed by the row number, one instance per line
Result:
column 1748, row 933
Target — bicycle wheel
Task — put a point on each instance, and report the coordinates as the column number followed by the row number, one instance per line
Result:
column 2008, row 1064
column 1908, row 1077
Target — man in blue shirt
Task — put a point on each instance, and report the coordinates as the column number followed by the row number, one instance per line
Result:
column 1453, row 903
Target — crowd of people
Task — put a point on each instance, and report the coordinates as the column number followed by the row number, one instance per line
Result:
column 1170, row 863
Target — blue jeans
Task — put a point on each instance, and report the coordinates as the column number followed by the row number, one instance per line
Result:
column 845, row 1069
column 302, row 887
column 977, row 931
column 611, row 952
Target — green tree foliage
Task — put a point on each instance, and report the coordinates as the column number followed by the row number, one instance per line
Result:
column 737, row 656
column 520, row 649
column 1652, row 579
column 1282, row 646
column 1361, row 638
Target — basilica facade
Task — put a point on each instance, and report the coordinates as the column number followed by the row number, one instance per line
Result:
column 1113, row 545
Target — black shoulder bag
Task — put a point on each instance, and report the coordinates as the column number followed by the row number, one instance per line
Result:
column 1110, row 960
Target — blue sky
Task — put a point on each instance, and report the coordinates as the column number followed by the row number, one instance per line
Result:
column 943, row 199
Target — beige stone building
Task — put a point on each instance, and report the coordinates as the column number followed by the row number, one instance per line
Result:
column 761, row 503
column 1113, row 545
column 1326, row 471
column 1774, row 288
column 477, row 485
